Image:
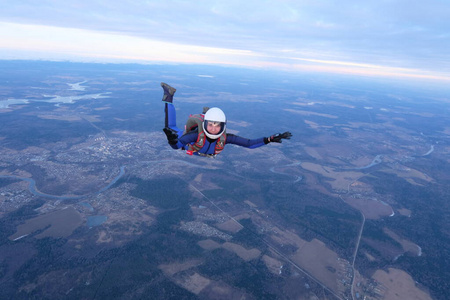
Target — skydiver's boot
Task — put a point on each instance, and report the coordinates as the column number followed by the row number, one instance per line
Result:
column 168, row 92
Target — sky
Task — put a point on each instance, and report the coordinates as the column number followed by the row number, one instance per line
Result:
column 387, row 38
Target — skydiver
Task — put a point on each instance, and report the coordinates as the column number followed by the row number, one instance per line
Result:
column 205, row 134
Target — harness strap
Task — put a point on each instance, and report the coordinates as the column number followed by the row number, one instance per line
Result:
column 196, row 121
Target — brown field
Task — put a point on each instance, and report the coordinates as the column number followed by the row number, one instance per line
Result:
column 240, row 123
column 221, row 291
column 209, row 244
column 194, row 283
column 313, row 153
column 60, row 223
column 408, row 246
column 410, row 175
column 287, row 238
column 104, row 237
column 251, row 204
column 360, row 187
column 204, row 183
column 371, row 209
column 242, row 216
column 173, row 268
column 312, row 124
column 230, row 226
column 314, row 257
column 310, row 113
column 243, row 253
column 340, row 180
column 60, row 118
column 92, row 118
column 102, row 108
column 399, row 285
column 321, row 262
column 314, row 182
column 386, row 249
column 274, row 265
column 369, row 257
column 405, row 212
column 362, row 161
column 316, row 126
column 17, row 172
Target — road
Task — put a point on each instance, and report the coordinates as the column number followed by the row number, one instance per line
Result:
column 357, row 242
column 356, row 252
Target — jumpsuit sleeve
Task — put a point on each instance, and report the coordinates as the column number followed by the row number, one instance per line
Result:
column 248, row 143
column 185, row 139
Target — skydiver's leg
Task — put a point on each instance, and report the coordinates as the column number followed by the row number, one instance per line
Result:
column 170, row 114
column 171, row 118
column 168, row 92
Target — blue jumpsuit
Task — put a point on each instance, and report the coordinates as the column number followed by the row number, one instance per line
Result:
column 208, row 148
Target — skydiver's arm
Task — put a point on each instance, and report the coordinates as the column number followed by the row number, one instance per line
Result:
column 248, row 143
column 185, row 139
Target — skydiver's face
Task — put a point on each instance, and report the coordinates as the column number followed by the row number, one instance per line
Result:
column 214, row 127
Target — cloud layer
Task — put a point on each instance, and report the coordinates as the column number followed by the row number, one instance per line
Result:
column 410, row 37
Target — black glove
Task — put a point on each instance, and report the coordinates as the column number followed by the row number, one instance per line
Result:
column 276, row 138
column 172, row 135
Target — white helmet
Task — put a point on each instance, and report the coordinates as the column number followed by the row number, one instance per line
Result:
column 215, row 115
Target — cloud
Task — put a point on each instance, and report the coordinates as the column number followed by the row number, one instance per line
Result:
column 394, row 34
column 70, row 43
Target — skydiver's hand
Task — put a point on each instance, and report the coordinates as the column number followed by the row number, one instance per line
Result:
column 277, row 138
column 172, row 136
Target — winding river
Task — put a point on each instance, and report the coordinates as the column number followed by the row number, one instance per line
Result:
column 297, row 177
column 377, row 160
column 35, row 191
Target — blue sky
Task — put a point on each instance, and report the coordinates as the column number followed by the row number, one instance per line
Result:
column 397, row 38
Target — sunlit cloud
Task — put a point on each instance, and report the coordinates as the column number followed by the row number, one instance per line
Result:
column 370, row 69
column 22, row 41
column 79, row 44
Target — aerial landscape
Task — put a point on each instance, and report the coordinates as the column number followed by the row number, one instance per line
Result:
column 94, row 204
column 323, row 166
